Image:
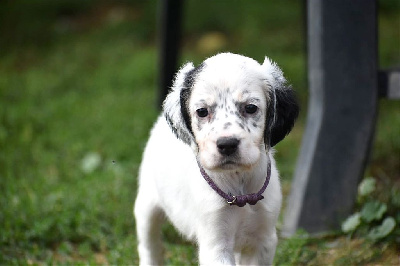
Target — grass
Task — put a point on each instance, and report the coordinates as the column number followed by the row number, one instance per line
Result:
column 77, row 100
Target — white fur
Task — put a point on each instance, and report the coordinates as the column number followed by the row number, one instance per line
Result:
column 170, row 183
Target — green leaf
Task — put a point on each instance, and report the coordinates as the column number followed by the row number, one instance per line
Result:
column 373, row 210
column 351, row 223
column 367, row 186
column 382, row 230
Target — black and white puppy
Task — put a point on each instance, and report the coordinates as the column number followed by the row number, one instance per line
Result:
column 208, row 165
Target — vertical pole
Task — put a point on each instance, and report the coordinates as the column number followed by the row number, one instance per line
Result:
column 170, row 34
column 342, row 73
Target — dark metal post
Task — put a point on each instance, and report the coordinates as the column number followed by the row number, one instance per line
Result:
column 170, row 33
column 342, row 72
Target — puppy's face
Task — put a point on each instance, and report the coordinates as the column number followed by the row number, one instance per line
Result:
column 229, row 109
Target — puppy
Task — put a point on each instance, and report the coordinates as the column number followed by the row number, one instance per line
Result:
column 208, row 165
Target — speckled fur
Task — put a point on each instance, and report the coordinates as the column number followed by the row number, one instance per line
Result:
column 170, row 184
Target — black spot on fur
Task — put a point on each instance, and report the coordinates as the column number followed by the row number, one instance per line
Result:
column 227, row 125
column 212, row 113
column 281, row 115
column 185, row 94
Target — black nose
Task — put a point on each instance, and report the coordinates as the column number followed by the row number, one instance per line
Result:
column 227, row 146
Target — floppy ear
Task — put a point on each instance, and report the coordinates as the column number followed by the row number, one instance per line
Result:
column 283, row 108
column 175, row 107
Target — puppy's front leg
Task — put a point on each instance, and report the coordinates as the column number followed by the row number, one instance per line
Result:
column 216, row 255
column 216, row 246
column 149, row 218
column 267, row 252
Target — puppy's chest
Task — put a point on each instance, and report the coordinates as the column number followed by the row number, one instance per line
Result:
column 250, row 229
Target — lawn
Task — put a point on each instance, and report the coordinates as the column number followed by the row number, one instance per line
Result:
column 78, row 93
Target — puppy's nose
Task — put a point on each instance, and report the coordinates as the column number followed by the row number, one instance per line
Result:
column 227, row 145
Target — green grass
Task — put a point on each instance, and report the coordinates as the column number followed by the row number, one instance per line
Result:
column 78, row 82
column 76, row 101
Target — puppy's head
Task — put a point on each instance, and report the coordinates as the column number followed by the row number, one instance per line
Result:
column 229, row 108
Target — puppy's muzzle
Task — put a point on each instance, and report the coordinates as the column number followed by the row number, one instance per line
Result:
column 227, row 145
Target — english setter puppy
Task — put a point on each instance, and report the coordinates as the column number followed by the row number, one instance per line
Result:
column 208, row 165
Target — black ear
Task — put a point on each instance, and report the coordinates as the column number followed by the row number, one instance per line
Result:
column 175, row 106
column 282, row 113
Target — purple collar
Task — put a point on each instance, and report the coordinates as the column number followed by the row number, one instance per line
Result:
column 239, row 200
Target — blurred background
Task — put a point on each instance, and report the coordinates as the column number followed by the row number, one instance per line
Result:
column 78, row 96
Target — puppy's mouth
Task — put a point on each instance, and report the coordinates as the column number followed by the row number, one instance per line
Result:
column 223, row 164
column 231, row 164
column 228, row 164
column 238, row 161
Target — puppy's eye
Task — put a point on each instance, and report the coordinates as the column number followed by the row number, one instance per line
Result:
column 250, row 109
column 202, row 112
